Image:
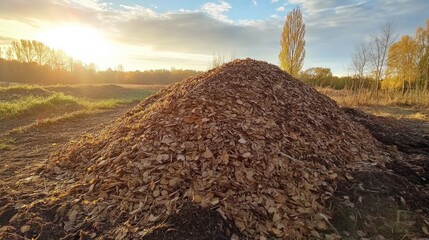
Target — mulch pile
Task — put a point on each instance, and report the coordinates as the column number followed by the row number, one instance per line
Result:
column 245, row 141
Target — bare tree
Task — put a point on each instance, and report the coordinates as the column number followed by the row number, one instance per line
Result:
column 378, row 50
column 292, row 43
column 360, row 61
column 119, row 68
column 27, row 50
column 219, row 59
column 15, row 51
column 41, row 52
column 59, row 60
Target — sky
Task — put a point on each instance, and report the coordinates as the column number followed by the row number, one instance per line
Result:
column 186, row 34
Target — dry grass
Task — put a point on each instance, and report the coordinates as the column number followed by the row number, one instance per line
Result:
column 385, row 98
column 414, row 106
column 37, row 106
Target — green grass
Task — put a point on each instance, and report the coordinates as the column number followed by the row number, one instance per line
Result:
column 19, row 100
column 21, row 87
column 56, row 101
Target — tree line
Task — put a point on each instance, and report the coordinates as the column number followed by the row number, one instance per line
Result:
column 32, row 62
column 394, row 64
column 381, row 62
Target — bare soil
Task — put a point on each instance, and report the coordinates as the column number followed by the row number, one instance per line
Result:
column 392, row 203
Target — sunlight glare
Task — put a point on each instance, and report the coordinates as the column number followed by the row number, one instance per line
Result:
column 80, row 42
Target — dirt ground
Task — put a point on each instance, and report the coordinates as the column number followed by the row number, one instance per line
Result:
column 389, row 202
column 20, row 182
column 392, row 201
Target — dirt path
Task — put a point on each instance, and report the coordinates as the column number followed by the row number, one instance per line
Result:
column 20, row 181
column 31, row 148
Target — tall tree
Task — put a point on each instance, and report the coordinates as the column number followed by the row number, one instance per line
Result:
column 403, row 61
column 292, row 43
column 59, row 60
column 378, row 49
column 422, row 39
column 41, row 52
column 27, row 50
column 15, row 51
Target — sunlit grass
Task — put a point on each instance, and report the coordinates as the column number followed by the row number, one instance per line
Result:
column 419, row 116
column 367, row 97
column 19, row 100
column 56, row 101
column 21, row 87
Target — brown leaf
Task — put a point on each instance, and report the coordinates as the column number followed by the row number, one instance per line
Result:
column 152, row 218
column 277, row 232
column 24, row 229
column 214, row 201
column 425, row 230
column 225, row 158
column 321, row 224
column 208, row 153
column 280, row 199
column 72, row 214
column 315, row 234
column 240, row 224
column 197, row 198
column 360, row 233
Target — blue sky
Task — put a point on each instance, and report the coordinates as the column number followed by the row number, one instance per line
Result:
column 147, row 34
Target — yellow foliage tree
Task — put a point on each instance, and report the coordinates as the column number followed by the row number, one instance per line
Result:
column 292, row 43
column 422, row 38
column 403, row 61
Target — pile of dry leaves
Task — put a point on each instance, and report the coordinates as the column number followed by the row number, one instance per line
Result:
column 245, row 139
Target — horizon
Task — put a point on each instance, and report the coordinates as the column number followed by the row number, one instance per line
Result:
column 146, row 35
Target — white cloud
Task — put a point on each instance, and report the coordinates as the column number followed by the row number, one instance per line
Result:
column 274, row 1
column 136, row 11
column 217, row 10
column 91, row 4
column 255, row 3
column 280, row 9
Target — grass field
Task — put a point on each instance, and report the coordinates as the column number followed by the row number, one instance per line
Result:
column 367, row 97
column 387, row 104
column 20, row 100
column 41, row 105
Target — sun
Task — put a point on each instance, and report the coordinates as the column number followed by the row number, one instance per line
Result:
column 80, row 42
